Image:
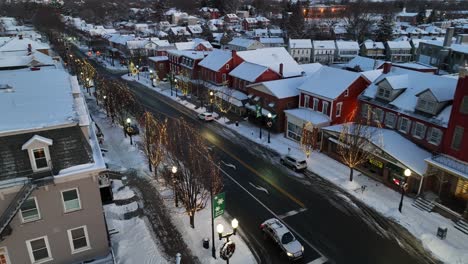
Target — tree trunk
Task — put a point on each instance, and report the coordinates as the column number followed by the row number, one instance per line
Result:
column 149, row 165
column 192, row 220
column 351, row 171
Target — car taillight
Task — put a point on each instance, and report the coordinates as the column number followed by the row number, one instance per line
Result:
column 262, row 226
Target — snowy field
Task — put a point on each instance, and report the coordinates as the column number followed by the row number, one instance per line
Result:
column 423, row 225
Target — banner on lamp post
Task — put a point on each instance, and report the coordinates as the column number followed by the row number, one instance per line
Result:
column 219, row 203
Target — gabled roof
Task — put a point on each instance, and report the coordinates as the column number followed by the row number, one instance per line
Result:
column 272, row 58
column 323, row 44
column 216, row 59
column 399, row 44
column 192, row 54
column 415, row 83
column 242, row 42
column 248, row 71
column 300, row 43
column 283, row 88
column 373, row 45
column 272, row 40
column 195, row 29
column 16, row 44
column 46, row 141
column 326, row 83
column 180, row 31
column 364, row 63
column 347, row 45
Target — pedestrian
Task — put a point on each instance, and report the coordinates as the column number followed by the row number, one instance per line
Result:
column 363, row 188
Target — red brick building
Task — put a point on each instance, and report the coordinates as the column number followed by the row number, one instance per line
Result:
column 216, row 66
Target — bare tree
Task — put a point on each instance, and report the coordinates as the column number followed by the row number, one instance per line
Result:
column 355, row 144
column 154, row 140
column 358, row 20
column 196, row 169
column 224, row 98
column 309, row 138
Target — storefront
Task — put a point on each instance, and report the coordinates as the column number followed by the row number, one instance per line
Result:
column 302, row 118
column 387, row 163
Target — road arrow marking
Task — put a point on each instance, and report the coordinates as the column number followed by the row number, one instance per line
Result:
column 292, row 212
column 229, row 165
column 259, row 188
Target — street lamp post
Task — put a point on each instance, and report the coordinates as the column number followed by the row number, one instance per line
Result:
column 174, row 181
column 176, row 88
column 407, row 174
column 220, row 230
column 105, row 105
column 211, row 100
column 138, row 72
column 170, row 81
column 269, row 126
column 129, row 130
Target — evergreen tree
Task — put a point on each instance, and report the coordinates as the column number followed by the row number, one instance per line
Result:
column 385, row 26
column 207, row 34
column 295, row 25
column 421, row 17
column 159, row 9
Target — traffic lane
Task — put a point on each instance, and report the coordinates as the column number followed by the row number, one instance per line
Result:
column 251, row 213
column 271, row 197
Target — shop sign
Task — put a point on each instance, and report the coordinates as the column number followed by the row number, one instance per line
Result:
column 376, row 163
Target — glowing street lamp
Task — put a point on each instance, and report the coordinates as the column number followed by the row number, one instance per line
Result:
column 174, row 181
column 403, row 186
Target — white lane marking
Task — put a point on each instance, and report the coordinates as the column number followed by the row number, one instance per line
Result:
column 229, row 165
column 292, row 212
column 259, row 188
column 320, row 260
column 273, row 213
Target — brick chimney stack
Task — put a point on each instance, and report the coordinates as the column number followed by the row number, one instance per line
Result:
column 387, row 67
column 281, row 66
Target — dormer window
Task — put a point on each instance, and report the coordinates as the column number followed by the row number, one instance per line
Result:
column 38, row 152
column 384, row 93
column 426, row 105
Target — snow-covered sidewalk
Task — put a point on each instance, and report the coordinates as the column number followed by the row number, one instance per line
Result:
column 423, row 225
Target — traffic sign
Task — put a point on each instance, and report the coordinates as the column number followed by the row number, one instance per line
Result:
column 219, row 203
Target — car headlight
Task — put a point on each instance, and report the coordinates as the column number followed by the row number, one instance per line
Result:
column 289, row 254
column 302, row 248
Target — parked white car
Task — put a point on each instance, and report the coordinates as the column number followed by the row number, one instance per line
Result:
column 206, row 116
column 294, row 162
column 281, row 235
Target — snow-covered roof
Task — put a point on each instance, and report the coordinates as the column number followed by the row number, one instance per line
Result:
column 323, row 44
column 121, row 39
column 283, row 88
column 190, row 45
column 137, row 43
column 450, row 164
column 326, row 83
column 158, row 58
column 414, row 83
column 462, row 48
column 364, row 63
column 416, row 66
column 371, row 75
column 369, row 44
column 272, row 40
column 195, row 29
column 300, row 43
column 180, row 31
column 35, row 59
column 16, row 44
column 248, row 71
column 391, row 142
column 311, row 68
column 242, row 42
column 192, row 54
column 316, row 118
column 250, row 20
column 347, row 45
column 399, row 44
column 37, row 99
column 216, row 59
column 272, row 58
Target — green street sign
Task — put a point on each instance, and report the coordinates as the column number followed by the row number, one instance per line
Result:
column 219, row 203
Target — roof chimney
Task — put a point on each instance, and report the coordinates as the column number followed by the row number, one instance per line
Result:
column 20, row 36
column 281, row 69
column 448, row 37
column 387, row 67
column 29, row 49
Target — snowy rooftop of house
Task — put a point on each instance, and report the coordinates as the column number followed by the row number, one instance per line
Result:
column 121, row 39
column 416, row 66
column 323, row 44
column 35, row 59
column 325, row 83
column 462, row 48
column 347, row 45
column 180, row 31
column 272, row 40
column 311, row 68
column 251, row 20
column 36, row 99
column 309, row 115
column 300, row 43
column 16, row 44
column 372, row 75
column 196, row 55
column 414, row 83
column 161, row 43
column 158, row 58
column 195, row 29
column 391, row 142
column 190, row 45
column 364, row 63
column 283, row 88
column 248, row 71
column 242, row 42
column 399, row 44
column 374, row 45
column 449, row 164
column 260, row 31
column 272, row 58
column 216, row 59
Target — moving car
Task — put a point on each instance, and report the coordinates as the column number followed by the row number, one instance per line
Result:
column 281, row 235
column 294, row 162
column 206, row 116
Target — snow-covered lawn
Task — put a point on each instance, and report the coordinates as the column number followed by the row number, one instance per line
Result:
column 423, row 225
column 134, row 242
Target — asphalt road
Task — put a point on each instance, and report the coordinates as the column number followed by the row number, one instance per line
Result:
column 322, row 217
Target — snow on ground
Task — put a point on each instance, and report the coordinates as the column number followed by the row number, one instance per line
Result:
column 133, row 241
column 423, row 225
column 121, row 156
column 194, row 237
